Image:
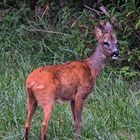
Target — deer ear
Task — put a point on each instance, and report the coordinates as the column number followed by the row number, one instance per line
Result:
column 98, row 33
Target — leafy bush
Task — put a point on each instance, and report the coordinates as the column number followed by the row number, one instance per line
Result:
column 128, row 15
column 80, row 24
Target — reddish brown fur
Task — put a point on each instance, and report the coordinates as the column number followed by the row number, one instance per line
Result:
column 71, row 81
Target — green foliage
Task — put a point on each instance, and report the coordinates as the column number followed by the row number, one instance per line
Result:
column 128, row 15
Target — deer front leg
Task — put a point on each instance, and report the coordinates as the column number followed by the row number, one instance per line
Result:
column 79, row 103
column 33, row 4
column 73, row 109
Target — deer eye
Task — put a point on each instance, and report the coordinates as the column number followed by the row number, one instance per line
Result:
column 106, row 44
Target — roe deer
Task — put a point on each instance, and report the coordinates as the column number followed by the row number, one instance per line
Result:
column 72, row 81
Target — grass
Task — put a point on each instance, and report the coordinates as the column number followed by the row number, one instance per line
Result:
column 112, row 112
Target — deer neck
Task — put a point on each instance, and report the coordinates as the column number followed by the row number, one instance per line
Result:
column 97, row 62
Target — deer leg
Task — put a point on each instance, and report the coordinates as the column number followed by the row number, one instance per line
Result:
column 47, row 115
column 33, row 4
column 32, row 103
column 79, row 102
column 61, row 3
column 73, row 109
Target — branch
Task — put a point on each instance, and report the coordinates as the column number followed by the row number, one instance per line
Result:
column 92, row 9
column 51, row 32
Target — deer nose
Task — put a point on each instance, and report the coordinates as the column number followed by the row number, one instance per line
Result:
column 115, row 54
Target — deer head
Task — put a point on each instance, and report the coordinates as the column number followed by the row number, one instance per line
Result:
column 107, row 40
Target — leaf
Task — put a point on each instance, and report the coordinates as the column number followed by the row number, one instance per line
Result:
column 137, row 26
column 129, row 13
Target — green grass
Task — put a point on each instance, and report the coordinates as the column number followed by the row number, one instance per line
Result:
column 111, row 112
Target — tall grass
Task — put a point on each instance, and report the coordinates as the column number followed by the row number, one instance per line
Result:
column 112, row 111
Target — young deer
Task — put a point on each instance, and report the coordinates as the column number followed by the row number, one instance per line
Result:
column 72, row 81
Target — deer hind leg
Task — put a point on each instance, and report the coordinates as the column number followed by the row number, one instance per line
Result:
column 32, row 103
column 46, row 99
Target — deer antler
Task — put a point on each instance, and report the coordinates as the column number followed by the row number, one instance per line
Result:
column 113, row 19
column 103, row 9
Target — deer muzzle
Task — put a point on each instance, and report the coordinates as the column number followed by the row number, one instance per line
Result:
column 115, row 54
